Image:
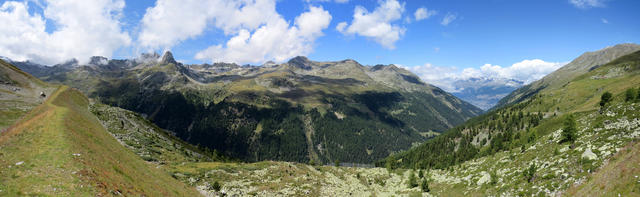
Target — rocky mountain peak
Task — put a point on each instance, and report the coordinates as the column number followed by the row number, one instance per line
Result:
column 301, row 62
column 99, row 60
column 168, row 58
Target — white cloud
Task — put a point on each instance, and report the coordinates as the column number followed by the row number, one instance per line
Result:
column 526, row 71
column 169, row 22
column 583, row 4
column 276, row 40
column 377, row 25
column 604, row 20
column 423, row 13
column 82, row 29
column 257, row 32
column 448, row 19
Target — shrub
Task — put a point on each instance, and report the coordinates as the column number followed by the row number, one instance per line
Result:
column 216, row 186
column 412, row 180
column 494, row 178
column 530, row 173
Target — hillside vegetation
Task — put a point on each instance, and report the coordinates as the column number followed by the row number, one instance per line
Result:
column 529, row 135
column 59, row 148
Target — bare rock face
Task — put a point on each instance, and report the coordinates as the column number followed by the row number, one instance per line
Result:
column 168, row 58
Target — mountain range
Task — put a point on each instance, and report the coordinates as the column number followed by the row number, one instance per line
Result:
column 484, row 92
column 301, row 110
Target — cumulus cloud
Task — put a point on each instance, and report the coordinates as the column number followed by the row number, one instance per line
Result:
column 525, row 71
column 448, row 19
column 376, row 25
column 583, row 4
column 82, row 29
column 276, row 40
column 423, row 13
column 169, row 22
column 257, row 32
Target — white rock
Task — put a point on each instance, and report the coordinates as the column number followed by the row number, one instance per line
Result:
column 562, row 150
column 589, row 155
column 486, row 177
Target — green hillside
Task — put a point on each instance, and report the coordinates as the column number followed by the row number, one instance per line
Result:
column 61, row 149
column 529, row 134
column 557, row 79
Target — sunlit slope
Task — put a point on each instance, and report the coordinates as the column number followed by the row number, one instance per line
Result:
column 620, row 176
column 556, row 80
column 60, row 148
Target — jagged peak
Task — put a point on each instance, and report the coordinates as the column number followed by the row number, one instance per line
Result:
column 391, row 67
column 99, row 60
column 73, row 62
column 168, row 58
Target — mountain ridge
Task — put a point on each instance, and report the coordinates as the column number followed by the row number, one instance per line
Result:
column 344, row 109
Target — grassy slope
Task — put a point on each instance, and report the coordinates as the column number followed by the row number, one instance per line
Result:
column 15, row 104
column 604, row 133
column 60, row 148
column 619, row 176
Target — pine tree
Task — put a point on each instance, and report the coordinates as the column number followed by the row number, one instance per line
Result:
column 605, row 98
column 569, row 130
column 630, row 94
column 425, row 185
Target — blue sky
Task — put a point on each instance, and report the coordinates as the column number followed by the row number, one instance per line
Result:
column 492, row 32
